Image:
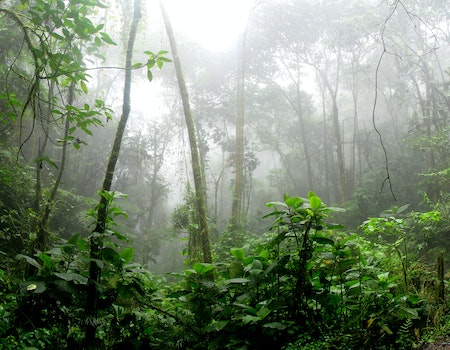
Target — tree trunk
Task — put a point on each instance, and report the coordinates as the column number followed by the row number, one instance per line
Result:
column 326, row 147
column 96, row 240
column 200, row 195
column 42, row 236
column 337, row 130
column 236, row 210
column 440, row 277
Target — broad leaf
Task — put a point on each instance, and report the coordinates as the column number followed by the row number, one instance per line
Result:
column 238, row 253
column 29, row 260
column 202, row 268
column 237, row 280
column 107, row 39
column 127, row 255
column 70, row 276
column 315, row 202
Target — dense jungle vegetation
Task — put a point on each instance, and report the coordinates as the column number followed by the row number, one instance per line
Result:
column 280, row 183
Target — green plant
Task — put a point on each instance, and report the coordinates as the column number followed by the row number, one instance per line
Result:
column 299, row 220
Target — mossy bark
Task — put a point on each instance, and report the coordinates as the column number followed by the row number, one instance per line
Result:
column 200, row 193
column 96, row 238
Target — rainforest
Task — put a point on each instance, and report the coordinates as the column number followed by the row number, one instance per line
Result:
column 211, row 174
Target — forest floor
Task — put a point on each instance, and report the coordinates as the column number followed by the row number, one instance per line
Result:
column 441, row 345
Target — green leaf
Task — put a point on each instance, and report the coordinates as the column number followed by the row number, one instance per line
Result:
column 294, row 202
column 323, row 240
column 98, row 262
column 335, row 226
column 337, row 209
column 83, row 87
column 137, row 66
column 151, row 63
column 275, row 325
column 29, row 260
column 264, row 254
column 35, row 287
column 237, row 281
column 164, row 59
column 402, row 208
column 315, row 202
column 249, row 318
column 238, row 253
column 72, row 242
column 57, row 36
column 22, row 6
column 385, row 328
column 178, row 294
column 46, row 260
column 255, row 272
column 70, row 276
column 276, row 204
column 202, row 268
column 107, row 39
column 127, row 255
column 236, row 269
column 149, row 75
column 110, row 255
column 47, row 160
column 217, row 325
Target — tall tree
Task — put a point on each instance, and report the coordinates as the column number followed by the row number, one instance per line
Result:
column 42, row 236
column 236, row 209
column 200, row 193
column 96, row 241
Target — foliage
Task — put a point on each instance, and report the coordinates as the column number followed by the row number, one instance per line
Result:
column 304, row 285
column 15, row 197
column 49, row 311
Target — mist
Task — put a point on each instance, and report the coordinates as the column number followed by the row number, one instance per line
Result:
column 230, row 105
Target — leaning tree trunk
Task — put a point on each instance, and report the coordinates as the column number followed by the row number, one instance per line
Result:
column 200, row 194
column 96, row 240
column 42, row 236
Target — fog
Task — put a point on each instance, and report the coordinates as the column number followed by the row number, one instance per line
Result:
column 349, row 99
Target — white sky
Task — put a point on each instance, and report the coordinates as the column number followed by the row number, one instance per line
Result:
column 214, row 23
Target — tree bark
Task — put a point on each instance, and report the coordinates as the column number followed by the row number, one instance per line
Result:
column 96, row 239
column 236, row 209
column 42, row 236
column 333, row 91
column 200, row 195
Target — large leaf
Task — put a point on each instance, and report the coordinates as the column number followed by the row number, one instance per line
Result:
column 294, row 202
column 236, row 269
column 238, row 253
column 112, row 256
column 202, row 268
column 71, row 244
column 127, row 255
column 276, row 204
column 249, row 318
column 35, row 287
column 323, row 240
column 70, row 276
column 217, row 325
column 29, row 260
column 263, row 312
column 315, row 202
column 237, row 280
column 107, row 39
column 275, row 325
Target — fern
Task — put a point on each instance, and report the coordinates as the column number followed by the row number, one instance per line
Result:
column 405, row 335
